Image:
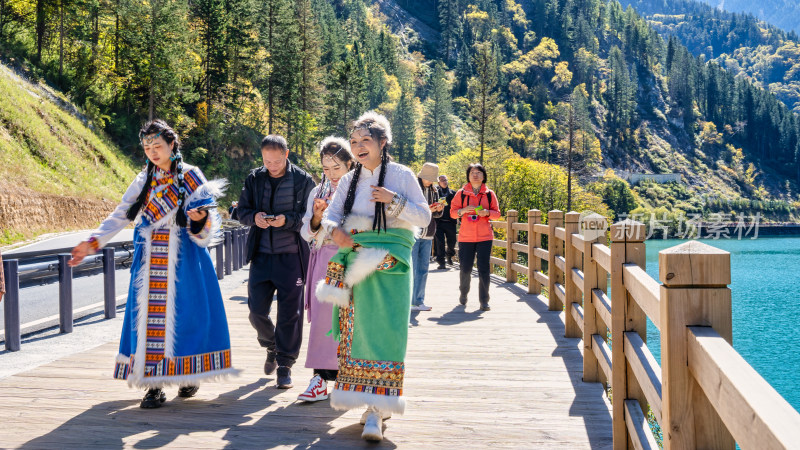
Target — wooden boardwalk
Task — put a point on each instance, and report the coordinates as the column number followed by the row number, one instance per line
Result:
column 504, row 378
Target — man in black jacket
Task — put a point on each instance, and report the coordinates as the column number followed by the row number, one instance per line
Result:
column 272, row 203
column 445, row 226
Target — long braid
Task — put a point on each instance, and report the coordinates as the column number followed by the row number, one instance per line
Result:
column 177, row 164
column 380, row 211
column 351, row 193
column 133, row 211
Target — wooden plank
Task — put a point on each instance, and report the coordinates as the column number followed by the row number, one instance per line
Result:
column 560, row 263
column 646, row 369
column 603, row 305
column 577, row 314
column 541, row 253
column 560, row 232
column 497, row 261
column 603, row 354
column 519, row 226
column 577, row 278
column 498, row 243
column 752, row 410
column 519, row 268
column 602, row 254
column 541, row 228
column 577, row 242
column 520, row 247
column 644, row 290
column 541, row 277
column 559, row 290
column 498, row 223
column 638, row 428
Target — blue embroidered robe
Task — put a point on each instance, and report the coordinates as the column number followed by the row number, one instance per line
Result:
column 175, row 330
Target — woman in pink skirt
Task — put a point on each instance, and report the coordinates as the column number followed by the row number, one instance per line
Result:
column 336, row 160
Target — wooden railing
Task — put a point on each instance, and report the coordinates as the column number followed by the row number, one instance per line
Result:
column 704, row 394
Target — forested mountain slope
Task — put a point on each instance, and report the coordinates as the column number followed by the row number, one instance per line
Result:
column 744, row 45
column 584, row 84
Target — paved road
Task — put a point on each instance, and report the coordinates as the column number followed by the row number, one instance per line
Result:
column 40, row 302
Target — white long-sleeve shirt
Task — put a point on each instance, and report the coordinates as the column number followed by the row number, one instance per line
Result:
column 410, row 211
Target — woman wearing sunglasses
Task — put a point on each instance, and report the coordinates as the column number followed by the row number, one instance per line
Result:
column 475, row 204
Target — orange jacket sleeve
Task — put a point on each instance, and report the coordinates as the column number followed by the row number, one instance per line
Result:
column 494, row 207
column 456, row 204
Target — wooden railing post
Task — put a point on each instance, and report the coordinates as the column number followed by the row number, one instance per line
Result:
column 511, row 237
column 695, row 293
column 594, row 277
column 555, row 218
column 571, row 292
column 627, row 246
column 534, row 240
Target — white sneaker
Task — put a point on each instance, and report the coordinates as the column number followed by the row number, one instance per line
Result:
column 385, row 415
column 373, row 426
column 424, row 307
column 317, row 390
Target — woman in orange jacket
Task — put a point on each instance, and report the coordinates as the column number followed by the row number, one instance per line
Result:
column 475, row 204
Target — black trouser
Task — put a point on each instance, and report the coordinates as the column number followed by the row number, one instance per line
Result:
column 466, row 256
column 284, row 273
column 327, row 375
column 445, row 231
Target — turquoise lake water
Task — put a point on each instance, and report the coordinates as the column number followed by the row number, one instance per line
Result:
column 765, row 291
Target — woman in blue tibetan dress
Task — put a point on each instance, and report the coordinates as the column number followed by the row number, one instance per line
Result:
column 175, row 331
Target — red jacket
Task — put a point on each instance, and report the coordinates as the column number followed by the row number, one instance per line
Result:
column 479, row 230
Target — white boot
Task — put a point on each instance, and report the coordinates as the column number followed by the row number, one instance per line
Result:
column 373, row 426
column 317, row 390
column 385, row 415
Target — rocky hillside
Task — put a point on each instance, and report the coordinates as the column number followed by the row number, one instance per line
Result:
column 55, row 172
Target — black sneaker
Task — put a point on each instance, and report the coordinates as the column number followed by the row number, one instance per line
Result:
column 188, row 391
column 270, row 365
column 284, row 377
column 462, row 299
column 485, row 307
column 153, row 399
column 450, row 260
column 441, row 266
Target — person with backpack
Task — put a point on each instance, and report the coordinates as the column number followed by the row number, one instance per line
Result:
column 475, row 204
column 272, row 203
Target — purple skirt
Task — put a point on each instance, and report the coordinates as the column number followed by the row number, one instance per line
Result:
column 321, row 347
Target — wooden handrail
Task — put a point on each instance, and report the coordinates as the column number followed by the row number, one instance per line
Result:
column 646, row 369
column 644, row 290
column 733, row 400
column 602, row 254
column 638, row 429
column 754, row 412
column 497, row 223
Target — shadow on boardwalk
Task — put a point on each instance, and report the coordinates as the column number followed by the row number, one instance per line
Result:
column 569, row 352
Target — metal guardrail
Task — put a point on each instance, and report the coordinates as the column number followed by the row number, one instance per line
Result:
column 51, row 265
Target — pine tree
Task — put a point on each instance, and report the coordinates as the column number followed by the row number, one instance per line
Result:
column 213, row 18
column 404, row 127
column 579, row 151
column 450, row 24
column 310, row 74
column 437, row 121
column 484, row 101
column 157, row 40
column 345, row 94
column 277, row 34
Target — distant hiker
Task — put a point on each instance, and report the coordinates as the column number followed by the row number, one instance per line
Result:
column 445, row 240
column 421, row 253
column 175, row 331
column 336, row 160
column 475, row 204
column 272, row 204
